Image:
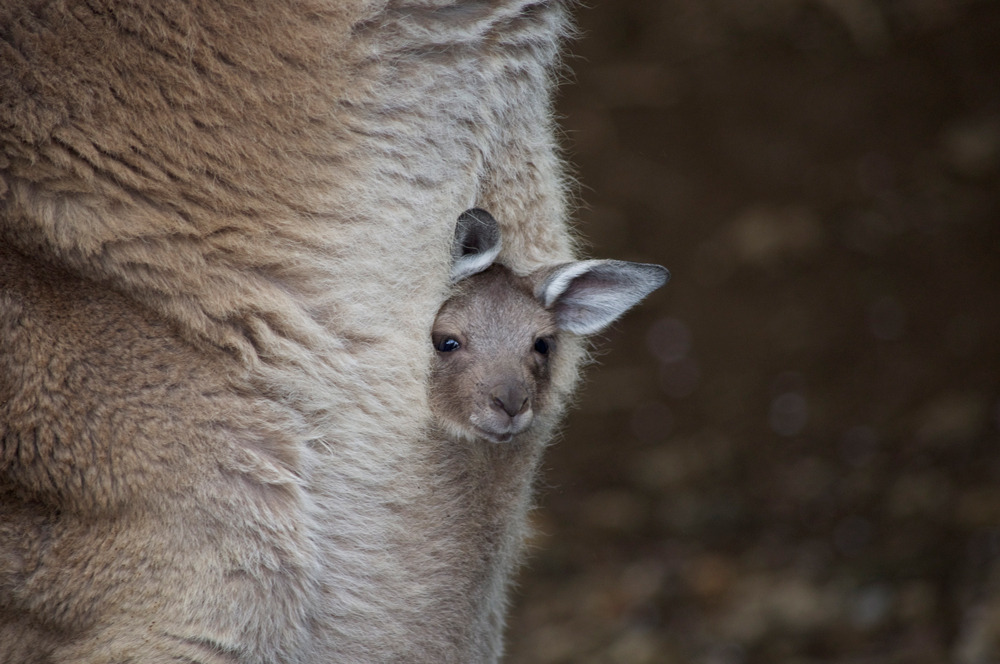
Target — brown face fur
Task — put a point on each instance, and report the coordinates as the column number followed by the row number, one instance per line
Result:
column 493, row 383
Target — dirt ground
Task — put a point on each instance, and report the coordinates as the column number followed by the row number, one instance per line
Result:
column 791, row 453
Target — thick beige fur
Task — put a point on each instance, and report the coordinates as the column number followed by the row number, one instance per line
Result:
column 224, row 235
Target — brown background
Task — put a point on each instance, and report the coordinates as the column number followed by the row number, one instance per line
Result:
column 791, row 452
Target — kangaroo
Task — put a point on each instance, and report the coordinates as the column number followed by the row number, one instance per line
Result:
column 499, row 341
column 497, row 336
column 225, row 229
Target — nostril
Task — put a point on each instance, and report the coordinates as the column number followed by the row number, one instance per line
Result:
column 511, row 399
column 524, row 406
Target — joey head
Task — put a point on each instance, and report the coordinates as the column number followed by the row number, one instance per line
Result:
column 498, row 334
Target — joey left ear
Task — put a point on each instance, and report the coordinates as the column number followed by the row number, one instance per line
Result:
column 587, row 296
column 476, row 244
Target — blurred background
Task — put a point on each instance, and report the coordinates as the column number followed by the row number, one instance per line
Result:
column 791, row 453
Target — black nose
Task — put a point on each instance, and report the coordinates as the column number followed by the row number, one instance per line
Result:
column 511, row 398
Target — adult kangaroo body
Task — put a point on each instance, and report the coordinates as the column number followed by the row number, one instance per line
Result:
column 225, row 231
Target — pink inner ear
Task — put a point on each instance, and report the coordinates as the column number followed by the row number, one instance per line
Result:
column 588, row 296
column 559, row 280
column 477, row 243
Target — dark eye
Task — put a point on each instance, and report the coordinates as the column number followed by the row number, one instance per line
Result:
column 541, row 346
column 447, row 344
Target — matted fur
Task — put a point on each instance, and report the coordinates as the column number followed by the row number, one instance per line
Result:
column 224, row 234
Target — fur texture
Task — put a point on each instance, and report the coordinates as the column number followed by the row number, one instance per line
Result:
column 224, row 233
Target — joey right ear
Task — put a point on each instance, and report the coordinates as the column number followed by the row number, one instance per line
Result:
column 476, row 244
column 587, row 296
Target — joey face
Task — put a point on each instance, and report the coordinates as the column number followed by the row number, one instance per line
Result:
column 494, row 342
column 496, row 336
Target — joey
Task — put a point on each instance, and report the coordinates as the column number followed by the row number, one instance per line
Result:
column 498, row 335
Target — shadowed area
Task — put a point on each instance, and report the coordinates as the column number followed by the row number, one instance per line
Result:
column 790, row 453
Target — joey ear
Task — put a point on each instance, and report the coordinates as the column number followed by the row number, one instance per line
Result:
column 587, row 296
column 476, row 244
